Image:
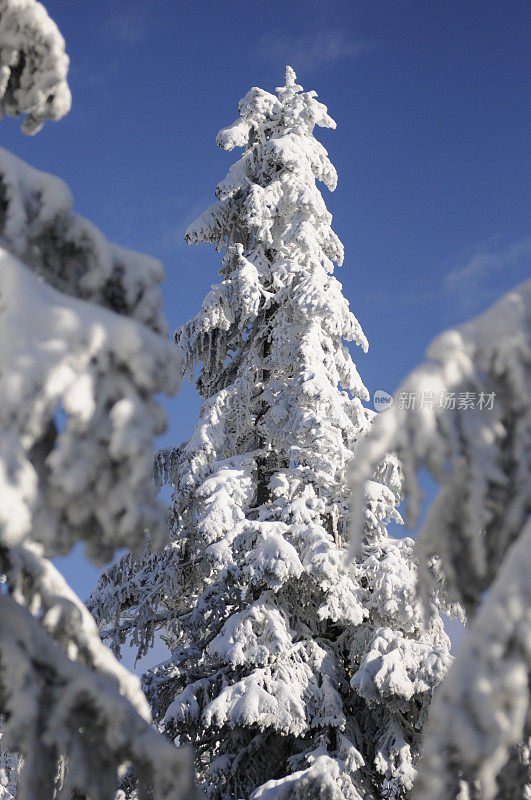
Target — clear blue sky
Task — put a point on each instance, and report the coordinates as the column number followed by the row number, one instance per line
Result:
column 432, row 101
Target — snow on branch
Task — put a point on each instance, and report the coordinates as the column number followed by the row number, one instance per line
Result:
column 38, row 225
column 77, row 423
column 81, row 361
column 77, row 417
column 33, row 65
column 465, row 415
column 165, row 466
column 58, row 705
column 37, row 584
column 478, row 717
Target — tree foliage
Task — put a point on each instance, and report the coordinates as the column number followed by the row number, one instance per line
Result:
column 477, row 532
column 81, row 359
column 292, row 674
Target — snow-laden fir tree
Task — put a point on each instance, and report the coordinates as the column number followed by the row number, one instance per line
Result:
column 474, row 436
column 292, row 675
column 82, row 357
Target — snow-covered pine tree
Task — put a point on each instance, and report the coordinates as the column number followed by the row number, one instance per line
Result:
column 292, row 675
column 474, row 437
column 82, row 357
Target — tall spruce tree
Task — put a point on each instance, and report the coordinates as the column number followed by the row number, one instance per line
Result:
column 292, row 674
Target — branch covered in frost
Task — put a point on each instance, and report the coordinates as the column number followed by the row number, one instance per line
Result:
column 9, row 764
column 76, row 716
column 76, row 429
column 483, row 708
column 37, row 224
column 33, row 65
column 465, row 415
column 78, row 417
column 473, row 435
column 36, row 584
column 81, row 361
column 56, row 705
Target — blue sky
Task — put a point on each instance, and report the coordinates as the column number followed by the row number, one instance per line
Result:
column 432, row 101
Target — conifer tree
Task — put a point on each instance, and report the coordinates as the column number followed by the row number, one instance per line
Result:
column 292, row 674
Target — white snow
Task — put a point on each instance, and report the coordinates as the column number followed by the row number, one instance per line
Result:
column 473, row 539
column 33, row 65
column 266, row 622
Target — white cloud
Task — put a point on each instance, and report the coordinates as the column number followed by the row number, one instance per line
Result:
column 486, row 272
column 314, row 49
